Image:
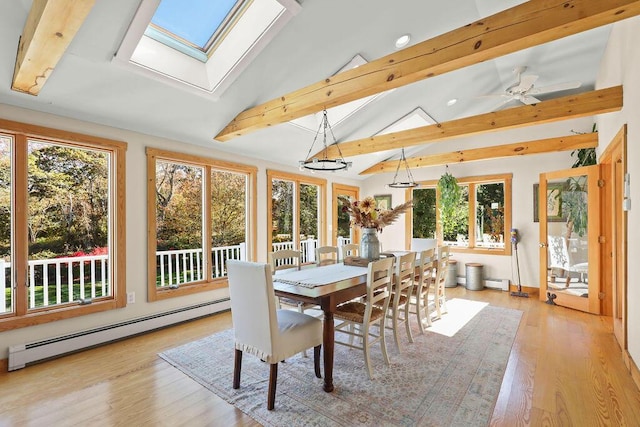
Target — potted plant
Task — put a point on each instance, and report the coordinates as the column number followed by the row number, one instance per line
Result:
column 449, row 194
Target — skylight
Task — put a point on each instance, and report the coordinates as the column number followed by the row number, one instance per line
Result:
column 193, row 30
column 203, row 46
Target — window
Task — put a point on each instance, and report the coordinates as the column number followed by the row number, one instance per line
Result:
column 480, row 224
column 196, row 203
column 296, row 213
column 61, row 225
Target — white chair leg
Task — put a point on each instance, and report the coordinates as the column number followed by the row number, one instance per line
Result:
column 406, row 321
column 365, row 348
column 383, row 342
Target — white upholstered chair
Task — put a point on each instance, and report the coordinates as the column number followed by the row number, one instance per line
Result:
column 559, row 258
column 356, row 318
column 419, row 304
column 262, row 330
column 326, row 255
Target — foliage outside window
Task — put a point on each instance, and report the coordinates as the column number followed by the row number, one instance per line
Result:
column 479, row 223
column 61, row 225
column 296, row 213
column 200, row 216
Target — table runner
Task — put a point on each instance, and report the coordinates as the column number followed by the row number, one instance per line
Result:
column 318, row 276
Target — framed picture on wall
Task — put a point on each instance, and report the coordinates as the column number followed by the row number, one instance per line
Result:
column 554, row 203
column 383, row 201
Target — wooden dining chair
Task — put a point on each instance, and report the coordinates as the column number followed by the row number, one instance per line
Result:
column 326, row 255
column 262, row 330
column 398, row 310
column 356, row 318
column 351, row 249
column 424, row 279
column 437, row 295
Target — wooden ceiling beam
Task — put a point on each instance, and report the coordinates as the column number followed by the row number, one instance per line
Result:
column 567, row 107
column 49, row 30
column 563, row 143
column 529, row 24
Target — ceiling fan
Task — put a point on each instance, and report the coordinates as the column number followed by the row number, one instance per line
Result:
column 524, row 90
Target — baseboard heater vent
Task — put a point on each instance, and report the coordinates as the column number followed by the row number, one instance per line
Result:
column 501, row 284
column 25, row 354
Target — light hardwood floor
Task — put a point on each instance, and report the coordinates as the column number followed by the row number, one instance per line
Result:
column 565, row 369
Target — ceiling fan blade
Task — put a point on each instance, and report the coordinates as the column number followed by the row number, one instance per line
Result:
column 502, row 105
column 496, row 95
column 528, row 100
column 555, row 88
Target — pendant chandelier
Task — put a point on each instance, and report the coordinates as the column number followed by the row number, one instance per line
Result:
column 324, row 163
column 410, row 182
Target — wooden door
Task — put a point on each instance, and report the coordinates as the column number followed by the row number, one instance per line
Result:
column 569, row 212
column 341, row 220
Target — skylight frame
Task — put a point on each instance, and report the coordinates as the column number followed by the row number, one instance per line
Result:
column 181, row 44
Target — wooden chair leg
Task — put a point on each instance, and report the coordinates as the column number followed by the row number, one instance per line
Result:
column 407, row 326
column 237, row 367
column 273, row 378
column 316, row 360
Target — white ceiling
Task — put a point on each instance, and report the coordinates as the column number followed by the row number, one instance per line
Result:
column 314, row 44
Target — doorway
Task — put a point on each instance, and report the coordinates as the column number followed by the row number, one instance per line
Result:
column 342, row 232
column 614, row 219
column 569, row 212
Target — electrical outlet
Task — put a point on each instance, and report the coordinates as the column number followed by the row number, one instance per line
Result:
column 131, row 297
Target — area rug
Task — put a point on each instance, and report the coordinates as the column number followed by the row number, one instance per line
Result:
column 435, row 381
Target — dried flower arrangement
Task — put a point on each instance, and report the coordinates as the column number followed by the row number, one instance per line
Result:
column 364, row 213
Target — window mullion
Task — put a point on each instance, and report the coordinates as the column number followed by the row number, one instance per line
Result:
column 20, row 234
column 472, row 215
column 206, row 226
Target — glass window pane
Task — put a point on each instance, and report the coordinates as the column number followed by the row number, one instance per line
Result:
column 6, row 288
column 309, row 221
column 179, row 228
column 424, row 213
column 490, row 215
column 229, row 204
column 68, row 224
column 456, row 229
column 282, row 214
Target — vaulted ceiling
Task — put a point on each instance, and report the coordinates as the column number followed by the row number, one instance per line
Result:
column 323, row 36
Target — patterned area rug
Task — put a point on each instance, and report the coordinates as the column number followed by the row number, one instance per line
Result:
column 436, row 381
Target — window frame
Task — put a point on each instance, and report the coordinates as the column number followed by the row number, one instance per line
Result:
column 298, row 180
column 208, row 164
column 21, row 133
column 472, row 182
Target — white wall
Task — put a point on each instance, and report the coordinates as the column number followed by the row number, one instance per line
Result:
column 526, row 171
column 621, row 65
column 137, row 225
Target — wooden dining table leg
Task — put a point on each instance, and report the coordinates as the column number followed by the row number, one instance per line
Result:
column 328, row 343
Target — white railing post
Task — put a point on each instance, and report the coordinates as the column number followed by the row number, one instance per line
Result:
column 3, row 297
column 311, row 250
column 243, row 251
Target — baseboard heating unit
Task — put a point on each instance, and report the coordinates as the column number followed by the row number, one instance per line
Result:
column 502, row 284
column 25, row 354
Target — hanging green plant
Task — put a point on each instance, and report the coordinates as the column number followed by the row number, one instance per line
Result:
column 585, row 156
column 450, row 193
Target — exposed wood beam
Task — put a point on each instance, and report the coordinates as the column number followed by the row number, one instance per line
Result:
column 50, row 28
column 563, row 143
column 567, row 107
column 530, row 24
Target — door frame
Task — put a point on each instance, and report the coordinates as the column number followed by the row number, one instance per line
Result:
column 352, row 191
column 614, row 229
column 592, row 303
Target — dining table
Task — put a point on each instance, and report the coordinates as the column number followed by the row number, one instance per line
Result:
column 327, row 286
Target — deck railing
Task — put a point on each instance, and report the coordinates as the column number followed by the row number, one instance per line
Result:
column 63, row 280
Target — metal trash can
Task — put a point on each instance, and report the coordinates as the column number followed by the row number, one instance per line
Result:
column 451, row 278
column 475, row 281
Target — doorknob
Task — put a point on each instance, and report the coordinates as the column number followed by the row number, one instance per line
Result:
column 543, row 245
